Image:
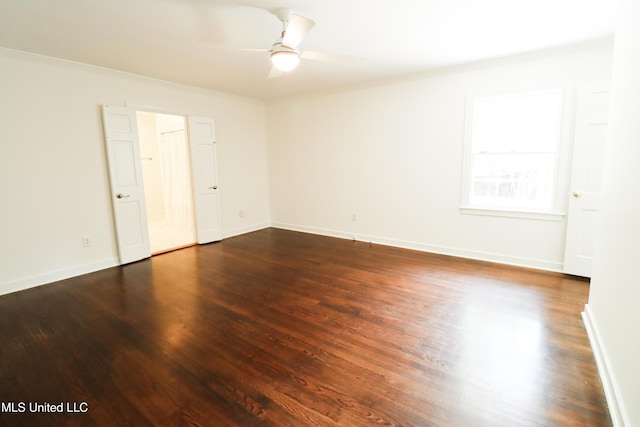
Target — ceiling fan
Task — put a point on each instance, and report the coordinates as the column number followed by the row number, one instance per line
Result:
column 285, row 54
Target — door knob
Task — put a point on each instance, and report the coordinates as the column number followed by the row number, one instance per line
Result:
column 214, row 187
column 576, row 194
column 122, row 196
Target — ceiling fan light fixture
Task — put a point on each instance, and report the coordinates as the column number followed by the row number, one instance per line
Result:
column 285, row 60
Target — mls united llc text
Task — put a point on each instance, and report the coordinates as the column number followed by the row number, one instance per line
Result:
column 35, row 407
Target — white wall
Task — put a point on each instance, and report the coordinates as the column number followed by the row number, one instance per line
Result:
column 53, row 171
column 613, row 311
column 392, row 153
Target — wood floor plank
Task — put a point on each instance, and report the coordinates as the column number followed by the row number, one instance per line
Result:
column 277, row 328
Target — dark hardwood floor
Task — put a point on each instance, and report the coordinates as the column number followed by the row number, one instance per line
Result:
column 278, row 328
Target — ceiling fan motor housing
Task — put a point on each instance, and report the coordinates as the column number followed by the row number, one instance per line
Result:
column 283, row 57
column 278, row 47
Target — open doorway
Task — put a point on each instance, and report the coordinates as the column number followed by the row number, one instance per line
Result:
column 124, row 156
column 164, row 152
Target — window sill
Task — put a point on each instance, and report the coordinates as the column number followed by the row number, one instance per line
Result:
column 544, row 216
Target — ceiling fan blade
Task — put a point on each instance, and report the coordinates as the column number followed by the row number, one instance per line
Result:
column 253, row 50
column 297, row 28
column 331, row 57
column 216, row 46
column 275, row 73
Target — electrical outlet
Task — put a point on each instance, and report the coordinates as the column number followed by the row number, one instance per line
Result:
column 354, row 216
column 241, row 213
column 86, row 241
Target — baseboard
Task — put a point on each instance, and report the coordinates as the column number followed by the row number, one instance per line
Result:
column 616, row 407
column 54, row 276
column 30, row 282
column 317, row 231
column 244, row 230
column 425, row 247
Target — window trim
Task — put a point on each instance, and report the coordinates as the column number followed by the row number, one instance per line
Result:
column 562, row 167
column 512, row 213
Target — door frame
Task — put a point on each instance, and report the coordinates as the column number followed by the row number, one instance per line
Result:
column 155, row 159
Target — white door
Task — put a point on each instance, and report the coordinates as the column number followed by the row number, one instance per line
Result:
column 127, row 189
column 205, row 179
column 586, row 177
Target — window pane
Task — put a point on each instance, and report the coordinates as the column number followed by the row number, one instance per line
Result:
column 512, row 180
column 514, row 149
column 484, row 188
column 528, row 122
column 543, row 129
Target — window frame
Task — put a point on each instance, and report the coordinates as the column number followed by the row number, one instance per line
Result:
column 557, row 211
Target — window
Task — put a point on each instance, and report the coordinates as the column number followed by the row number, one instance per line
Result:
column 513, row 152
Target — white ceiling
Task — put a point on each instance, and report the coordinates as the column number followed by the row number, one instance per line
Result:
column 195, row 42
